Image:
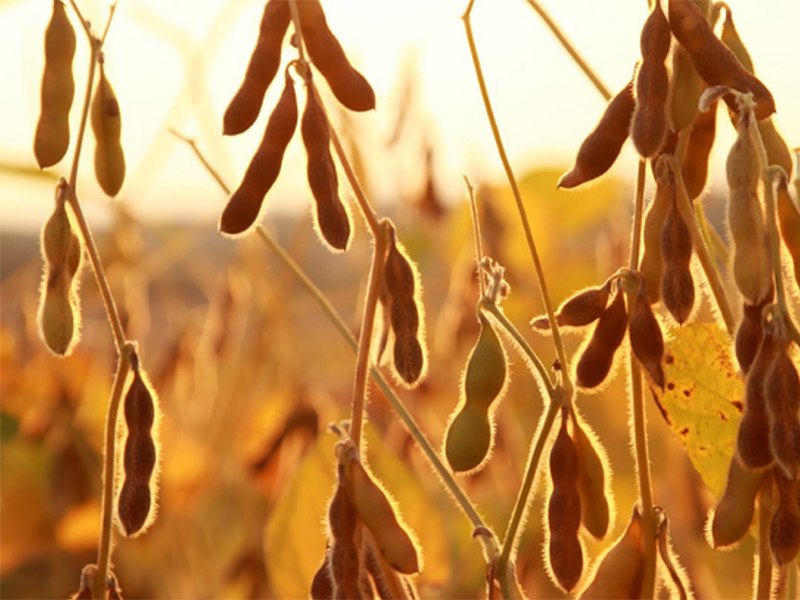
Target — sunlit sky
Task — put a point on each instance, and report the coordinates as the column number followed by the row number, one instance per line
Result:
column 176, row 64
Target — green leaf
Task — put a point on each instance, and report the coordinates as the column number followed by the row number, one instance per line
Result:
column 703, row 399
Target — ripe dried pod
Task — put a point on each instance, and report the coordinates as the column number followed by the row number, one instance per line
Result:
column 377, row 512
column 332, row 217
column 750, row 332
column 751, row 267
column 647, row 341
column 347, row 84
column 565, row 553
column 782, row 394
column 244, row 205
column 620, row 570
column 789, row 217
column 58, row 89
column 715, row 63
column 109, row 160
column 405, row 314
column 598, row 355
column 753, row 439
column 322, row 585
column 649, row 123
column 784, row 529
column 345, row 539
column 602, row 146
column 595, row 506
column 580, row 309
column 677, row 285
column 733, row 514
column 698, row 150
column 684, row 91
column 135, row 504
column 469, row 434
column 59, row 308
column 651, row 265
column 264, row 62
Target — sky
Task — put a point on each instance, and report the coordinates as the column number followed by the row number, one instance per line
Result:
column 176, row 64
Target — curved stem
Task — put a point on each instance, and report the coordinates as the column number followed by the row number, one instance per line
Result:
column 109, row 453
column 520, row 506
column 559, row 346
column 374, row 281
column 639, row 434
column 556, row 30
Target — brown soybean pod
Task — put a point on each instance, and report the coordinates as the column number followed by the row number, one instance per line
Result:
column 647, row 341
column 789, row 218
column 677, row 285
column 109, row 159
column 376, row 511
column 595, row 509
column 564, row 510
column 244, row 205
column 753, row 437
column 750, row 332
column 781, row 388
column 751, row 266
column 715, row 63
column 243, row 109
column 322, row 585
column 135, row 503
column 332, row 217
column 649, row 124
column 784, row 529
column 580, row 309
column 733, row 514
column 620, row 571
column 698, row 150
column 598, row 356
column 602, row 146
column 58, row 89
column 651, row 265
column 348, row 85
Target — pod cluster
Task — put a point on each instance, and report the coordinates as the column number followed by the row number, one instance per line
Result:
column 59, row 307
column 578, row 498
column 137, row 496
column 660, row 105
column 614, row 319
column 369, row 549
column 331, row 216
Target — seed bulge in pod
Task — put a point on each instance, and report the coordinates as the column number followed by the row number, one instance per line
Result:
column 733, row 514
column 620, row 571
column 580, row 309
column 750, row 332
column 781, row 389
column 646, row 339
column 468, row 439
column 753, row 438
column 698, row 151
column 598, row 355
column 602, row 146
column 109, row 160
column 595, row 508
column 784, row 529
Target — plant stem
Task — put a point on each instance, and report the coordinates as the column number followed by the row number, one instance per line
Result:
column 638, row 409
column 556, row 30
column 522, row 344
column 374, row 282
column 702, row 253
column 489, row 543
column 109, row 453
column 476, row 230
column 520, row 506
column 442, row 471
column 361, row 198
column 517, row 198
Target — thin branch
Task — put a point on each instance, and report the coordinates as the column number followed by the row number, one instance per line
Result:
column 476, row 231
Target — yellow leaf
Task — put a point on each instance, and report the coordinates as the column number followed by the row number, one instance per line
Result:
column 702, row 401
column 294, row 538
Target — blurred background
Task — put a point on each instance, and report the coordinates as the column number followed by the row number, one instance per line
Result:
column 248, row 369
